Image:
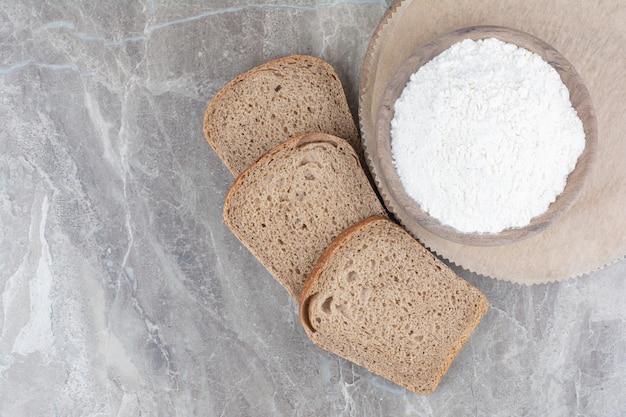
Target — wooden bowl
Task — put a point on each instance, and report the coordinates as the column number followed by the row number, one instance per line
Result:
column 406, row 210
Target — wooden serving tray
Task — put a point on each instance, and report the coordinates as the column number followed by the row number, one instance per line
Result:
column 591, row 35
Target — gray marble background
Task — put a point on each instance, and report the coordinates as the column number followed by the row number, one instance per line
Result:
column 123, row 293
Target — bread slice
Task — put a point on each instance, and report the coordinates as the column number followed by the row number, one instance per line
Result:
column 381, row 300
column 288, row 206
column 274, row 102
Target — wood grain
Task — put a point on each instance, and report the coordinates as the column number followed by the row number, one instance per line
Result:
column 591, row 35
column 411, row 215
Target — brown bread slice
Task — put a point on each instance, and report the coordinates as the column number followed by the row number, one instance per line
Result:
column 288, row 206
column 381, row 300
column 274, row 102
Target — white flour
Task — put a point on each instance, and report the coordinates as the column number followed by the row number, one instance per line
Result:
column 484, row 136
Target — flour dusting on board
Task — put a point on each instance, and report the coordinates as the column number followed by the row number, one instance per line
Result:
column 484, row 136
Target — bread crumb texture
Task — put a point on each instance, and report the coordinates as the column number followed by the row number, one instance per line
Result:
column 287, row 207
column 274, row 102
column 381, row 300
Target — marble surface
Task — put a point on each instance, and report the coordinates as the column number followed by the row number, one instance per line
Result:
column 124, row 294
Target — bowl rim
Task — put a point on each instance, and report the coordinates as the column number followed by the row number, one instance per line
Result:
column 407, row 210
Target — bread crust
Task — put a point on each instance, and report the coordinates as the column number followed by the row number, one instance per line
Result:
column 300, row 140
column 312, row 284
column 273, row 65
column 336, row 243
column 373, row 204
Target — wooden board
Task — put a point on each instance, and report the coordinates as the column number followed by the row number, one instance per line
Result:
column 591, row 35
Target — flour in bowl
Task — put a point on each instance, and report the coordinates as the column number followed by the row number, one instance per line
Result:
column 484, row 136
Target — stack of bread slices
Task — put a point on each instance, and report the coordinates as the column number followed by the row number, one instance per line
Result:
column 302, row 203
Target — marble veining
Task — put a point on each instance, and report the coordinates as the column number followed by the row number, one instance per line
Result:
column 124, row 294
